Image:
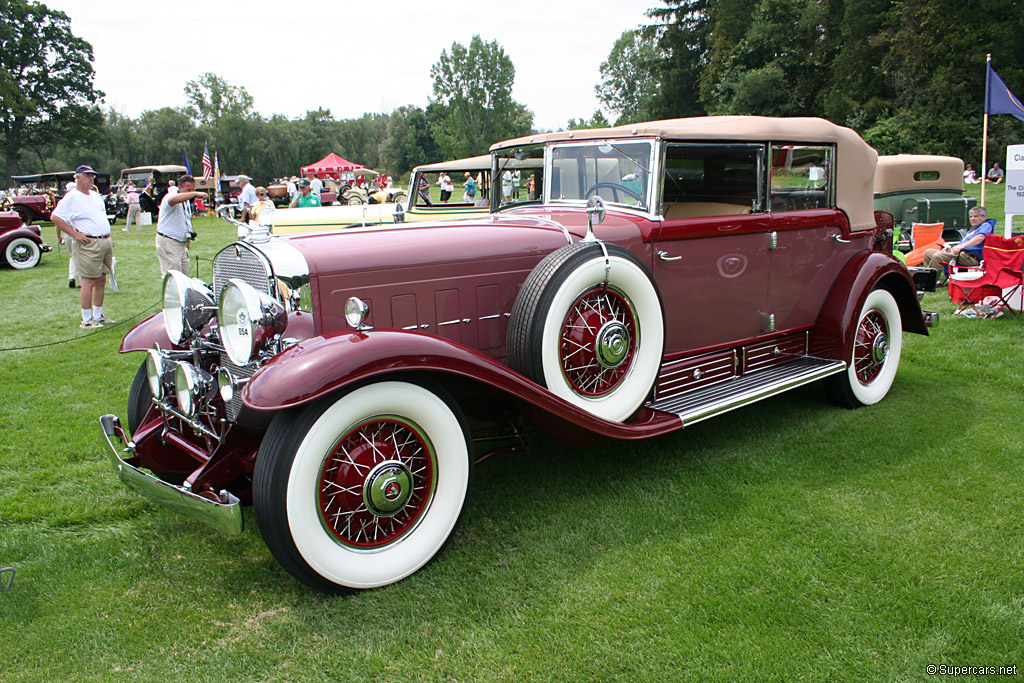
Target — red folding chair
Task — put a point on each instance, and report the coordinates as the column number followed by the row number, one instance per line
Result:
column 1001, row 275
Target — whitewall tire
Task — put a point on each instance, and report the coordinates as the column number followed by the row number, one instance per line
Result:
column 362, row 490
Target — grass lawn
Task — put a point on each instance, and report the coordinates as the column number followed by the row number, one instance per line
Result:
column 787, row 541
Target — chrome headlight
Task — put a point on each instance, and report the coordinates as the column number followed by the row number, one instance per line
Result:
column 191, row 386
column 248, row 319
column 188, row 306
column 155, row 368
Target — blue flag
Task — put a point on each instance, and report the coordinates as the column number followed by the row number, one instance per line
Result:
column 998, row 98
column 188, row 166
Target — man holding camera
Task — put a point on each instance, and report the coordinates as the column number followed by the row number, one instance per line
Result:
column 174, row 229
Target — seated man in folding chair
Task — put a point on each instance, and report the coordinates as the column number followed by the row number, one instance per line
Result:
column 968, row 251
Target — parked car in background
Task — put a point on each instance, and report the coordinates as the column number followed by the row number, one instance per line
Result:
column 21, row 246
column 923, row 188
column 154, row 177
column 36, row 195
column 414, row 206
column 657, row 275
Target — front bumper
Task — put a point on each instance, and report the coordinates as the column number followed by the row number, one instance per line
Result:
column 45, row 248
column 224, row 515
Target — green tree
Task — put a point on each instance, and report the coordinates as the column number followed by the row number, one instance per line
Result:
column 629, row 85
column 682, row 35
column 46, row 80
column 474, row 84
column 598, row 120
column 408, row 142
column 211, row 97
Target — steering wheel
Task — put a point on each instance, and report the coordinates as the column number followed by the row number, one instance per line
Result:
column 614, row 187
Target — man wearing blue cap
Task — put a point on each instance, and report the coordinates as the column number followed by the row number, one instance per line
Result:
column 82, row 216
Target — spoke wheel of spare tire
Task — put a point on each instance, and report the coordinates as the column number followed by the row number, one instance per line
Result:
column 354, row 199
column 363, row 489
column 590, row 329
column 876, row 342
column 22, row 253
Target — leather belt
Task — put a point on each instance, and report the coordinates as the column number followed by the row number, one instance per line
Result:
column 172, row 238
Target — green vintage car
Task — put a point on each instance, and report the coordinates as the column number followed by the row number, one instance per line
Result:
column 417, row 206
column 923, row 188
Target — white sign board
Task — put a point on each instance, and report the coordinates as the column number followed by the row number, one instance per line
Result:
column 1015, row 179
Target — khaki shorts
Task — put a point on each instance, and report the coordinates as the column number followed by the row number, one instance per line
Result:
column 94, row 260
column 172, row 254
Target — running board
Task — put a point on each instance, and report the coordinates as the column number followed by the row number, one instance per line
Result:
column 694, row 406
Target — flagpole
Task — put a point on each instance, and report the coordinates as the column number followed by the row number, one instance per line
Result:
column 984, row 142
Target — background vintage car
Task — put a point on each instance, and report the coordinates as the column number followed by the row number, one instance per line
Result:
column 156, row 178
column 923, row 188
column 21, row 246
column 670, row 272
column 40, row 193
column 413, row 209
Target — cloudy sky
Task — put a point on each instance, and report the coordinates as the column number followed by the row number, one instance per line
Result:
column 351, row 58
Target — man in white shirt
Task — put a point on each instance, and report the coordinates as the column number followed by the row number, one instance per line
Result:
column 82, row 215
column 247, row 199
column 174, row 228
column 316, row 186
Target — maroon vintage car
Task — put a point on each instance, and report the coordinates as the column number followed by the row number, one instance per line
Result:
column 37, row 195
column 629, row 282
column 21, row 246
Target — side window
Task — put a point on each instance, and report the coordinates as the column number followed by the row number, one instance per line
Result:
column 704, row 180
column 518, row 176
column 802, row 177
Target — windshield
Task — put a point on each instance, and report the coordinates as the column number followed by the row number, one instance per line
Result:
column 518, row 176
column 618, row 172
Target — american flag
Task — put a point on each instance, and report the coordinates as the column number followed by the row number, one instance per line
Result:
column 207, row 168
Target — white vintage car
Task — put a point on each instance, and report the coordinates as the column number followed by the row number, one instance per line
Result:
column 416, row 207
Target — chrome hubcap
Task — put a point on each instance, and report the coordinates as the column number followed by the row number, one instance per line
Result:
column 612, row 345
column 880, row 348
column 387, row 488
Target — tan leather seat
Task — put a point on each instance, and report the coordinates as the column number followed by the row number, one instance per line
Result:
column 677, row 210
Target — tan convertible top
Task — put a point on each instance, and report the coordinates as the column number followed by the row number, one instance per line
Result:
column 855, row 159
column 472, row 163
column 897, row 172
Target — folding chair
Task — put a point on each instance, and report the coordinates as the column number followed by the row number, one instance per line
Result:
column 924, row 236
column 1001, row 275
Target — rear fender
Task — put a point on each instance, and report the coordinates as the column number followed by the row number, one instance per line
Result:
column 865, row 272
column 322, row 365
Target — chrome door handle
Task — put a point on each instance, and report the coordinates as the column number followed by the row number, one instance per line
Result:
column 840, row 239
column 663, row 255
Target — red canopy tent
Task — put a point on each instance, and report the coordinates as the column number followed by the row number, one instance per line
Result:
column 331, row 165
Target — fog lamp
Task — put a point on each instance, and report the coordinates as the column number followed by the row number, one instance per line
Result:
column 356, row 312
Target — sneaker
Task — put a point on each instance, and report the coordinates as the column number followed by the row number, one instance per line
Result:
column 124, row 229
column 104, row 320
column 90, row 324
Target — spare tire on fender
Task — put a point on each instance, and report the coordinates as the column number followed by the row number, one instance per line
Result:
column 590, row 328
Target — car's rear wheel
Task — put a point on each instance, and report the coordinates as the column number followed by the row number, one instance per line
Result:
column 363, row 489
column 590, row 329
column 22, row 253
column 23, row 215
column 877, row 341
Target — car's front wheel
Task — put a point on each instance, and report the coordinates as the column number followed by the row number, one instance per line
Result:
column 877, row 341
column 21, row 253
column 363, row 489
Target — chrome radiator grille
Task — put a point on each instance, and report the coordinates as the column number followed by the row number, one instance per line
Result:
column 242, row 262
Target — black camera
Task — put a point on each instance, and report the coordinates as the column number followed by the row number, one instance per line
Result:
column 191, row 235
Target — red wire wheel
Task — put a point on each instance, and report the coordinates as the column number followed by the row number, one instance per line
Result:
column 598, row 341
column 376, row 483
column 870, row 347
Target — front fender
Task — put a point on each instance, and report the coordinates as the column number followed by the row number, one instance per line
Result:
column 30, row 231
column 324, row 364
column 865, row 272
column 143, row 336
